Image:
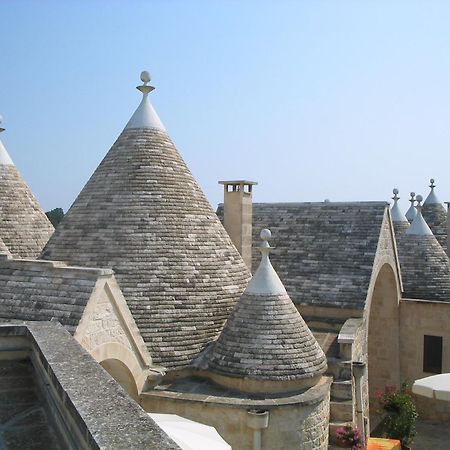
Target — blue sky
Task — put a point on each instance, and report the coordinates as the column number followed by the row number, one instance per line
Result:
column 316, row 99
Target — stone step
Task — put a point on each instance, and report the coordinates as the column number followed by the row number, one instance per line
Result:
column 332, row 431
column 340, row 369
column 341, row 410
column 341, row 390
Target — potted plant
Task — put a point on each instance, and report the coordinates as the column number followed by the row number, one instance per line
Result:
column 400, row 415
column 348, row 437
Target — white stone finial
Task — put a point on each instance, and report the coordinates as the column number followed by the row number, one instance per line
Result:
column 5, row 159
column 265, row 281
column 145, row 116
column 396, row 214
column 145, row 88
column 432, row 197
column 411, row 213
column 395, row 197
column 145, row 76
column 418, row 226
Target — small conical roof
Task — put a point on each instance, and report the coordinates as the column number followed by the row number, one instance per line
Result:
column 435, row 215
column 419, row 226
column 143, row 214
column 411, row 213
column 24, row 227
column 425, row 268
column 265, row 337
column 399, row 220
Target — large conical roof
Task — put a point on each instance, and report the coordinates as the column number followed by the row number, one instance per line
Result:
column 425, row 267
column 143, row 214
column 265, row 337
column 435, row 215
column 24, row 227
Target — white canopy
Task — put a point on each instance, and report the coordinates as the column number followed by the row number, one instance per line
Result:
column 436, row 386
column 190, row 435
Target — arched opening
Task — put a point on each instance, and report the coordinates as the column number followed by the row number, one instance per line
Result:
column 383, row 335
column 120, row 372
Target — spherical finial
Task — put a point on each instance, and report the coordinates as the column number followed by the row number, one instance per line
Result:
column 145, row 76
column 395, row 191
column 419, row 198
column 412, row 194
column 265, row 234
column 432, row 185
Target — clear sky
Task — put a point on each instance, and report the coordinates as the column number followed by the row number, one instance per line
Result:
column 313, row 99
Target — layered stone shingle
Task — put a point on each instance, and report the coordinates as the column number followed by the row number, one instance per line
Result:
column 45, row 291
column 143, row 214
column 425, row 268
column 24, row 227
column 324, row 252
column 436, row 218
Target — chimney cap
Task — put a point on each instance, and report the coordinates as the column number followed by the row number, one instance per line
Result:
column 231, row 182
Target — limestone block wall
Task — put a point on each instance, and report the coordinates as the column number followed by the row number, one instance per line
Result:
column 419, row 318
column 108, row 332
column 292, row 425
column 104, row 326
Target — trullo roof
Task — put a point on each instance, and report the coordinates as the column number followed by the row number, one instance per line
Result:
column 143, row 214
column 24, row 227
column 265, row 337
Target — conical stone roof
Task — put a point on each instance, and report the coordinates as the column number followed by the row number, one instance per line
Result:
column 435, row 215
column 143, row 214
column 425, row 267
column 265, row 337
column 24, row 227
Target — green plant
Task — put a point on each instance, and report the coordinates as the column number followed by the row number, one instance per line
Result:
column 399, row 413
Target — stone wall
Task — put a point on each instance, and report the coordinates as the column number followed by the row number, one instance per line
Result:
column 108, row 332
column 419, row 318
column 297, row 422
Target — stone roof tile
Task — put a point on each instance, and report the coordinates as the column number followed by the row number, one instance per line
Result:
column 41, row 290
column 324, row 252
column 425, row 268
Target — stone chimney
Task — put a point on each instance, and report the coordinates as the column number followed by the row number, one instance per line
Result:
column 237, row 212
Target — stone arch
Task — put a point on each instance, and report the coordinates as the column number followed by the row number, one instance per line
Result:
column 120, row 372
column 121, row 364
column 383, row 334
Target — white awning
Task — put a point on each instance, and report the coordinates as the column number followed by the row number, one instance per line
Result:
column 190, row 435
column 436, row 386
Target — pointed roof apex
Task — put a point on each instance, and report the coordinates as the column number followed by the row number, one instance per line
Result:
column 412, row 212
column 419, row 227
column 265, row 281
column 396, row 214
column 432, row 198
column 145, row 115
column 5, row 159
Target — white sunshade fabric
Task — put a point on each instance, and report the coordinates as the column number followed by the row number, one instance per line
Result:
column 436, row 386
column 190, row 435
